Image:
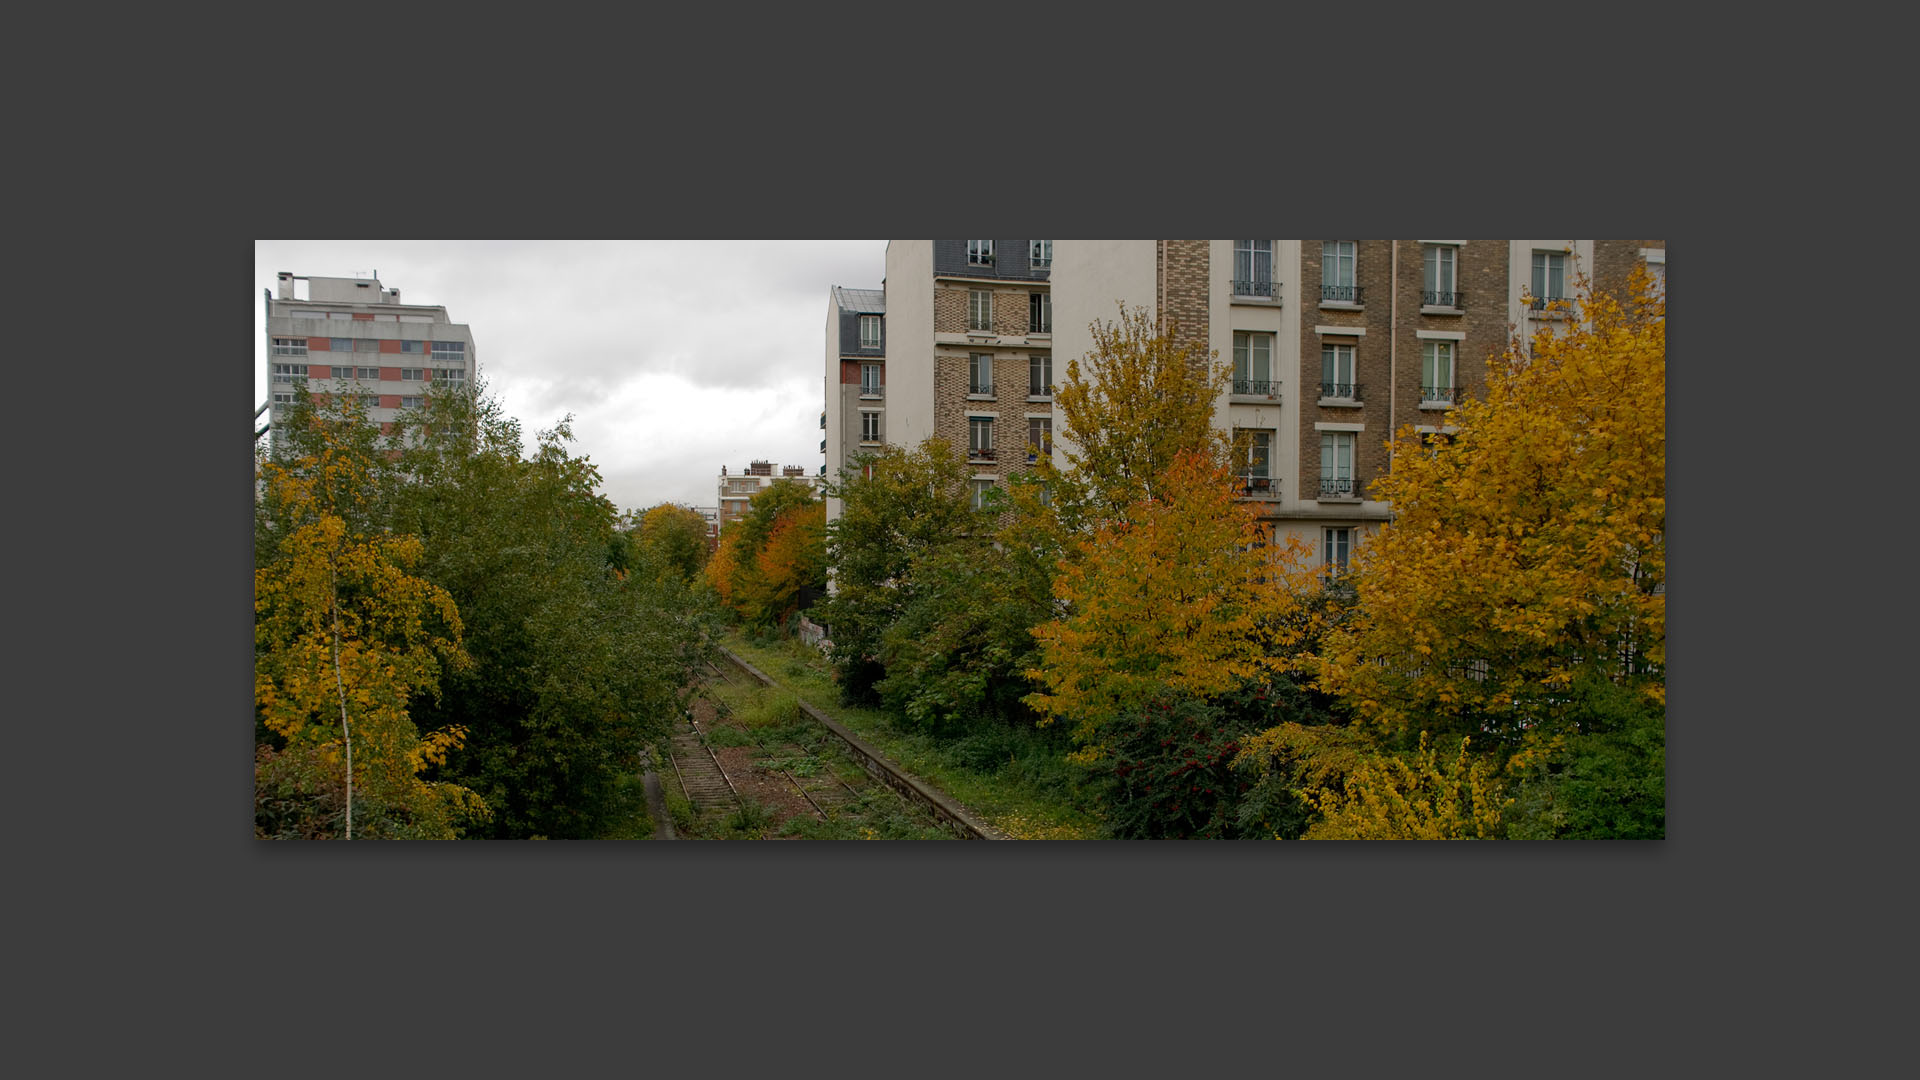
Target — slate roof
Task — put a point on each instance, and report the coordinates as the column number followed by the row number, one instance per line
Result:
column 866, row 301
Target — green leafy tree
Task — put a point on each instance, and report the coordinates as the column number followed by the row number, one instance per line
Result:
column 673, row 538
column 914, row 503
column 345, row 637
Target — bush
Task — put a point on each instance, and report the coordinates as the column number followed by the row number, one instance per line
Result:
column 1171, row 774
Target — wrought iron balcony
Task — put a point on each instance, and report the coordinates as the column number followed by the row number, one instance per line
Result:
column 1348, row 294
column 1433, row 298
column 1252, row 485
column 1040, row 326
column 1340, row 390
column 976, row 388
column 1256, row 386
column 979, row 454
column 1340, row 487
column 1255, row 287
column 1539, row 303
column 1437, row 394
column 872, row 391
column 1044, row 390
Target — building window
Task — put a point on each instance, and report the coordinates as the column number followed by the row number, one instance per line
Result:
column 1039, row 313
column 1040, row 254
column 1549, row 277
column 449, row 350
column 288, row 372
column 1254, row 461
column 982, row 491
column 979, row 253
column 869, row 427
column 340, row 344
column 1253, row 268
column 289, row 346
column 371, row 401
column 1336, row 373
column 869, row 331
column 282, row 397
column 1336, row 549
column 1039, row 438
column 413, row 374
column 980, row 373
column 449, row 375
column 367, row 345
column 1252, row 363
column 1336, row 464
column 1438, row 278
column 1040, row 375
column 869, row 380
column 412, row 402
column 979, row 309
column 980, row 437
column 413, row 346
column 1436, row 372
column 368, row 373
column 1336, row 272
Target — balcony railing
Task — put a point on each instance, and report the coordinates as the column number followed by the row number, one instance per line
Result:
column 979, row 454
column 1256, row 386
column 1336, row 487
column 823, row 421
column 872, row 391
column 977, row 388
column 1433, row 298
column 823, row 446
column 1539, row 303
column 1040, row 326
column 1255, row 287
column 1348, row 294
column 1437, row 395
column 1340, row 390
column 1040, row 390
column 1254, row 486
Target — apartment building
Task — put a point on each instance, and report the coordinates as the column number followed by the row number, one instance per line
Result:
column 737, row 490
column 1334, row 344
column 352, row 336
column 970, row 336
column 855, row 415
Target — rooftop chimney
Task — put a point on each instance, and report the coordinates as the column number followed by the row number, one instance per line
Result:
column 286, row 284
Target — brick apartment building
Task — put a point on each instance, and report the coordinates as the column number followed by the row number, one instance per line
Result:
column 1335, row 345
column 349, row 335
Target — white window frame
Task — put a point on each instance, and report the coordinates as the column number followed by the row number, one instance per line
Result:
column 979, row 253
column 1259, row 458
column 412, row 401
column 980, row 437
column 340, row 344
column 979, row 364
column 1336, row 462
column 448, row 375
column 1040, row 375
column 449, row 350
column 869, row 426
column 1331, row 362
column 1435, row 355
column 1441, row 263
column 286, row 373
column 283, row 397
column 1043, row 425
column 980, row 309
column 1040, row 254
column 1247, row 269
column 1252, row 354
column 869, row 331
column 413, row 374
column 1336, row 548
column 870, row 380
column 981, row 486
column 1546, row 266
column 1044, row 301
column 287, row 346
column 417, row 348
column 1342, row 257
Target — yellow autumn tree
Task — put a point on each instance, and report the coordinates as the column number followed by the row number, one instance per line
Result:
column 1142, row 397
column 344, row 636
column 1527, row 554
column 1183, row 591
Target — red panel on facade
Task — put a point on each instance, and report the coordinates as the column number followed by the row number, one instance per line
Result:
column 849, row 372
column 319, row 371
column 319, row 344
column 386, row 426
column 359, row 317
column 389, row 346
column 391, row 374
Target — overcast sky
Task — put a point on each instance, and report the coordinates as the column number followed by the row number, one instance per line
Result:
column 675, row 357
